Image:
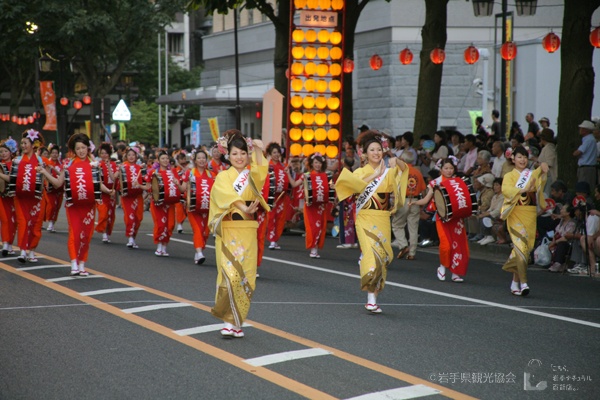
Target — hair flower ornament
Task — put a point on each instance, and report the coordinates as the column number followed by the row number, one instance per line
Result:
column 33, row 135
column 385, row 144
column 250, row 144
column 92, row 147
column 454, row 160
column 317, row 154
column 11, row 144
column 222, row 145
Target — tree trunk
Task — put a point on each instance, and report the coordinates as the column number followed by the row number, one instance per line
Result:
column 282, row 41
column 430, row 74
column 576, row 93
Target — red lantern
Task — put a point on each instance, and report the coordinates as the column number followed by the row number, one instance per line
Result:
column 348, row 66
column 77, row 105
column 406, row 56
column 87, row 99
column 64, row 101
column 19, row 121
column 376, row 62
column 595, row 37
column 508, row 51
column 551, row 42
column 437, row 55
column 471, row 55
column 14, row 119
column 36, row 115
column 30, row 119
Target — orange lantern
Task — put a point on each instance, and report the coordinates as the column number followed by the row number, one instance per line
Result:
column 595, row 37
column 376, row 62
column 321, row 85
column 331, row 151
column 299, row 3
column 296, row 149
column 312, row 4
column 30, row 119
column 471, row 55
column 297, row 52
column 335, row 69
column 323, row 52
column 298, row 35
column 323, row 36
column 310, row 52
column 333, row 103
column 77, row 105
column 296, row 117
column 348, row 66
column 64, row 101
column 406, row 56
column 333, row 118
column 321, row 102
column 508, row 51
column 310, row 68
column 308, row 134
column 295, row 134
column 307, row 149
column 320, row 118
column 308, row 102
column 310, row 35
column 551, row 42
column 335, row 86
column 322, row 69
column 337, row 4
column 296, row 85
column 320, row 134
column 308, row 118
column 296, row 101
column 325, row 4
column 297, row 68
column 320, row 148
column 437, row 55
column 336, row 53
column 309, row 85
column 335, row 37
column 87, row 99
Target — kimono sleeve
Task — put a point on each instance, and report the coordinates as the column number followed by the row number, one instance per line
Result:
column 222, row 194
column 349, row 183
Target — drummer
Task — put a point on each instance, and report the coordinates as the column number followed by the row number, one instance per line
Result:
column 132, row 194
column 455, row 257
column 7, row 204
column 107, row 208
column 53, row 197
column 166, row 191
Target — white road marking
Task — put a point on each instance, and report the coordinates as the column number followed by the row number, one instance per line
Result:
column 107, row 291
column 44, row 267
column 154, row 307
column 203, row 329
column 71, row 278
column 407, row 392
column 286, row 356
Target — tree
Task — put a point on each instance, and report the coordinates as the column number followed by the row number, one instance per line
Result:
column 576, row 93
column 430, row 74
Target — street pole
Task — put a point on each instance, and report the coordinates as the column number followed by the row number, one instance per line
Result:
column 504, row 126
column 238, row 116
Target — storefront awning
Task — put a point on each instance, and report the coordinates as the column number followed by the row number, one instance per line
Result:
column 216, row 96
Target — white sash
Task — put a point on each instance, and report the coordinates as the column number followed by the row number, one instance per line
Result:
column 241, row 182
column 369, row 191
column 524, row 178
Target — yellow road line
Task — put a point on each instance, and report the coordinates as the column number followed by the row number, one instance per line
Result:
column 231, row 358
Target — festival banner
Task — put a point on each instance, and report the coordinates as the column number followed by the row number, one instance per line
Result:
column 122, row 131
column 88, row 128
column 195, row 133
column 49, row 102
column 213, row 123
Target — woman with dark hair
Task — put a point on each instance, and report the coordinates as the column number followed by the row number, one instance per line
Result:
column 560, row 245
column 107, row 208
column 523, row 191
column 53, row 197
column 316, row 186
column 132, row 173
column 7, row 204
column 166, row 191
column 234, row 199
column 197, row 182
column 374, row 184
column 454, row 247
column 441, row 149
column 82, row 181
column 217, row 162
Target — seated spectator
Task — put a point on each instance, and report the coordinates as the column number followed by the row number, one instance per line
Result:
column 483, row 163
column 592, row 233
column 498, row 158
column 546, row 222
column 483, row 184
column 560, row 245
column 491, row 226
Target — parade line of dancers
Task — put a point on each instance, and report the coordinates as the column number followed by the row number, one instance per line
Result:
column 244, row 199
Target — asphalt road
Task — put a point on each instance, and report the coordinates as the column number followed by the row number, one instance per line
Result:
column 80, row 338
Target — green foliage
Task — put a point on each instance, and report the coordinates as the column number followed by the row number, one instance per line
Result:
column 144, row 122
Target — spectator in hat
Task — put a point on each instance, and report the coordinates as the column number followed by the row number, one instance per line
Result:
column 548, row 155
column 544, row 123
column 587, row 154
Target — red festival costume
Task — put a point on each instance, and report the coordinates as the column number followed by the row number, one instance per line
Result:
column 262, row 217
column 7, row 214
column 28, row 202
column 180, row 211
column 106, row 209
column 199, row 216
column 53, row 197
column 277, row 215
column 163, row 214
column 132, row 200
column 315, row 207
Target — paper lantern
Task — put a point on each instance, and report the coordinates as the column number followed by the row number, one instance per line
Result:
column 298, row 35
column 471, row 55
column 30, row 119
column 320, row 134
column 295, row 134
column 348, row 66
column 551, row 42
column 14, row 118
column 323, row 53
column 296, row 85
column 310, row 68
column 308, row 118
column 308, row 134
column 296, row 117
column 310, row 52
column 296, row 149
column 299, row 3
column 296, row 101
column 310, row 36
column 337, row 4
column 406, row 56
column 308, row 102
column 320, row 148
column 321, row 102
column 595, row 37
column 322, row 69
column 308, row 149
column 297, row 52
column 508, row 51
column 309, row 85
column 375, row 62
column 335, row 37
column 320, row 119
column 64, row 101
column 335, row 69
column 437, row 55
column 325, row 4
column 312, row 4
column 297, row 68
column 335, row 86
column 77, row 105
column 323, row 36
column 321, row 85
column 336, row 53
column 87, row 99
column 333, row 118
column 331, row 151
column 333, row 103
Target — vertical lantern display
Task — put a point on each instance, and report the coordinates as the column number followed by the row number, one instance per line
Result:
column 471, row 55
column 437, row 55
column 406, row 56
column 551, row 42
column 508, row 51
column 375, row 62
column 317, row 67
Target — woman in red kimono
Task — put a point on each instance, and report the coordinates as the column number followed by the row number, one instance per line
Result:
column 182, row 166
column 132, row 190
column 53, row 197
column 315, row 217
column 217, row 163
column 106, row 209
column 198, row 182
column 7, row 204
column 168, row 194
column 82, row 191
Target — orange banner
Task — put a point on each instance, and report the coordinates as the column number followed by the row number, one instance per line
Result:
column 49, row 103
column 213, row 124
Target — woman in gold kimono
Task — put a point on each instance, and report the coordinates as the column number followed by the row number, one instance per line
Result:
column 374, row 184
column 234, row 198
column 523, row 191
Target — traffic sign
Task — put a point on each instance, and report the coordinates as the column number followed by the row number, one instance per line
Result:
column 121, row 112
